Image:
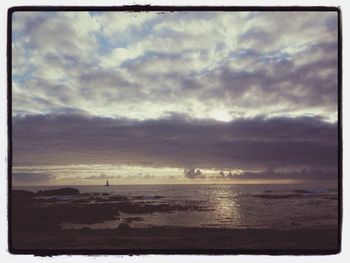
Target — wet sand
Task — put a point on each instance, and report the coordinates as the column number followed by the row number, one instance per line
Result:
column 36, row 225
column 173, row 238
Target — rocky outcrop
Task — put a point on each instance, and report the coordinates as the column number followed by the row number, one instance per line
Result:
column 22, row 194
column 123, row 227
column 61, row 191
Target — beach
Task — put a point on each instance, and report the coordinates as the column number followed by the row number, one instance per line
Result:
column 177, row 238
column 67, row 219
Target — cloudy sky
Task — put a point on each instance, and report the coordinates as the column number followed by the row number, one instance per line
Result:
column 181, row 97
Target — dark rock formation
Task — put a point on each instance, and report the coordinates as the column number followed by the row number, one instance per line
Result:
column 123, row 226
column 22, row 194
column 132, row 219
column 61, row 191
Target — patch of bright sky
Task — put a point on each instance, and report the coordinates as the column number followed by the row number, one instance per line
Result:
column 95, row 174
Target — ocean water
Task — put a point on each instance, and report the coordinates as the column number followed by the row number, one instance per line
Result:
column 222, row 206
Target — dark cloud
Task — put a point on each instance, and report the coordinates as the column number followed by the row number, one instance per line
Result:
column 32, row 178
column 192, row 173
column 103, row 82
column 222, row 174
column 307, row 80
column 255, row 143
column 101, row 176
column 276, row 79
column 48, row 31
column 304, row 174
column 51, row 93
column 256, row 37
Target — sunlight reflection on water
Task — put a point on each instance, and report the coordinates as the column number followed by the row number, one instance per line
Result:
column 227, row 209
column 229, row 206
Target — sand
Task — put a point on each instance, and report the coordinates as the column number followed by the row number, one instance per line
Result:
column 177, row 238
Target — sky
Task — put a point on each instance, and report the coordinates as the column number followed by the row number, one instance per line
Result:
column 174, row 97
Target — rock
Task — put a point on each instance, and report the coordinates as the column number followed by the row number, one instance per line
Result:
column 61, row 191
column 123, row 226
column 22, row 194
column 131, row 219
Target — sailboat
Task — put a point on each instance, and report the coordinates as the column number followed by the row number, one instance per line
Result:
column 107, row 184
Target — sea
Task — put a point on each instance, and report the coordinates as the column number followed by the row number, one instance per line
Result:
column 277, row 206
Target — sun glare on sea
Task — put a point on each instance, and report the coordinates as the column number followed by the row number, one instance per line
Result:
column 226, row 205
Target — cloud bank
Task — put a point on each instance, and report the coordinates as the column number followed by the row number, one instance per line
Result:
column 32, row 178
column 256, row 143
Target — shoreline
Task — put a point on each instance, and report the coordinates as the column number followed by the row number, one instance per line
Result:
column 36, row 224
column 178, row 238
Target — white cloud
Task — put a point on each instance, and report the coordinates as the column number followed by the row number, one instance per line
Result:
column 145, row 65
